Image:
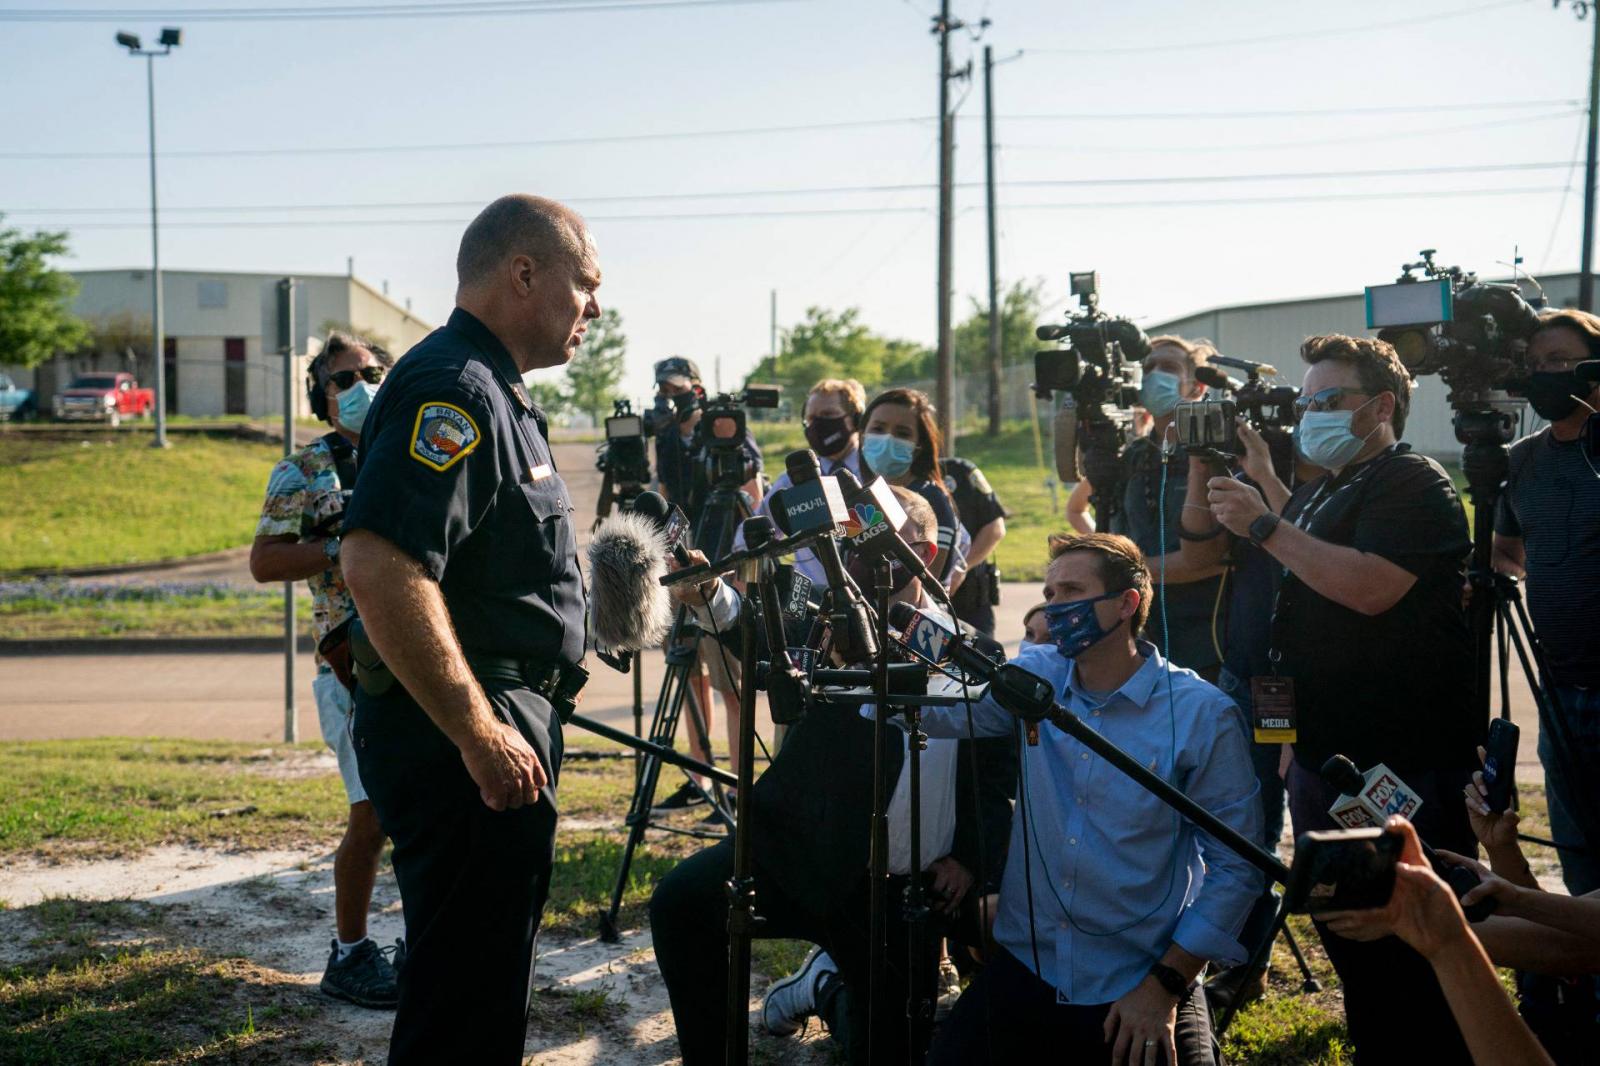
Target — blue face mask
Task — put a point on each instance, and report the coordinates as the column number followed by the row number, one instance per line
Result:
column 354, row 403
column 1075, row 627
column 1160, row 392
column 889, row 456
column 1324, row 437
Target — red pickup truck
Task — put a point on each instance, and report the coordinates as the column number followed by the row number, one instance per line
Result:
column 104, row 397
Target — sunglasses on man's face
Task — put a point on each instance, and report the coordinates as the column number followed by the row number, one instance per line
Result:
column 1327, row 399
column 343, row 379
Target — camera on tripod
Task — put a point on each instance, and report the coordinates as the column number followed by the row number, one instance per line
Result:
column 721, row 432
column 622, row 454
column 1099, row 369
column 1210, row 425
column 1472, row 333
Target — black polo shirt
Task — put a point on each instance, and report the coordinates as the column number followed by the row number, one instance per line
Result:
column 456, row 470
column 1397, row 687
column 977, row 506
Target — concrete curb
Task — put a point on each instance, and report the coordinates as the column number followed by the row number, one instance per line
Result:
column 10, row 649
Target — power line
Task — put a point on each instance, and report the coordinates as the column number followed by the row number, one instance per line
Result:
column 472, row 8
column 828, row 190
column 1248, row 201
column 809, row 127
column 1274, row 38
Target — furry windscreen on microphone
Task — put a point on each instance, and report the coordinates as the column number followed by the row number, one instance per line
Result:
column 631, row 609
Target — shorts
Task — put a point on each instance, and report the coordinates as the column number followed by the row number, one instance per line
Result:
column 721, row 664
column 334, row 706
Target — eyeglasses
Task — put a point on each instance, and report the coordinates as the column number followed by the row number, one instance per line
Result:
column 343, row 379
column 1327, row 399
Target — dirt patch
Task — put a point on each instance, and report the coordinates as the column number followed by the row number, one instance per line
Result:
column 243, row 938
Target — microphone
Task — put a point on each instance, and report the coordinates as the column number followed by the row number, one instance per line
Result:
column 1247, row 365
column 873, row 528
column 668, row 518
column 630, row 609
column 1023, row 693
column 1210, row 375
column 814, row 502
column 1368, row 799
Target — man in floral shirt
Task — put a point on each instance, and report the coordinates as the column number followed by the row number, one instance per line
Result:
column 298, row 537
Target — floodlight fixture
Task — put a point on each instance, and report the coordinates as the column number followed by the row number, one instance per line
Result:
column 130, row 41
column 171, row 37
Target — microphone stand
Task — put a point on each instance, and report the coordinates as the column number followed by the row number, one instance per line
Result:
column 919, row 1008
column 877, row 946
column 742, row 919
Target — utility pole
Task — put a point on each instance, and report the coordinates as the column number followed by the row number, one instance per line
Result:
column 944, row 390
column 291, row 722
column 994, row 275
column 1586, row 279
column 772, row 329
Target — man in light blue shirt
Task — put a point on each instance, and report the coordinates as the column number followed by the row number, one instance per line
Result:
column 1111, row 904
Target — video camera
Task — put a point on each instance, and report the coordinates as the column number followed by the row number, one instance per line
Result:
column 1209, row 425
column 1472, row 333
column 622, row 454
column 1099, row 367
column 721, row 432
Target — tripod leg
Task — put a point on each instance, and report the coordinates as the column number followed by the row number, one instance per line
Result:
column 1309, row 982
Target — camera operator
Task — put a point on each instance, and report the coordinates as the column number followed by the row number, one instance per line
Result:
column 681, row 471
column 1370, row 639
column 298, row 537
column 1547, row 530
column 1423, row 912
column 1106, row 918
column 810, row 819
column 1190, row 594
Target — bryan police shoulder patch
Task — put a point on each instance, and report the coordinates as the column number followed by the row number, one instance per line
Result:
column 443, row 435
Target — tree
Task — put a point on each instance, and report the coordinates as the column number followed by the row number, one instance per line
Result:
column 331, row 325
column 827, row 344
column 35, row 322
column 550, row 398
column 596, row 369
column 1020, row 308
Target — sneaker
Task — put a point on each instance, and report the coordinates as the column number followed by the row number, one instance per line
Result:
column 365, row 977
column 723, row 815
column 686, row 796
column 793, row 999
column 396, row 954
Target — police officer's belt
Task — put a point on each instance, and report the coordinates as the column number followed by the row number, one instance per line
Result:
column 557, row 682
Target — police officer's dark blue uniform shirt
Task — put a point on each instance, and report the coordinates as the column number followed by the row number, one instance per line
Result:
column 457, row 472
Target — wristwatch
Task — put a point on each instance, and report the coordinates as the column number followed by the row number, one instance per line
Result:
column 1169, row 979
column 1263, row 527
column 330, row 548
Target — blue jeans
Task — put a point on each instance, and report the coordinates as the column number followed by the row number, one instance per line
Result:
column 1264, row 757
column 1579, row 708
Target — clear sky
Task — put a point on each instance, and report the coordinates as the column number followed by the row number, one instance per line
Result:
column 699, row 286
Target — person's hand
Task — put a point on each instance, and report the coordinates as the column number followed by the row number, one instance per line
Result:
column 1508, row 895
column 1235, row 504
column 1495, row 830
column 1141, row 1026
column 1257, row 457
column 951, row 883
column 1422, row 910
column 505, row 768
column 692, row 594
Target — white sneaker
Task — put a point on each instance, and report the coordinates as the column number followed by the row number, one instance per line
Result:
column 793, row 999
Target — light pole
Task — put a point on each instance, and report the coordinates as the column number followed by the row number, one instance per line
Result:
column 171, row 38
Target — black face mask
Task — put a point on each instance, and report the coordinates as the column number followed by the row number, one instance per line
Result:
column 828, row 435
column 1550, row 394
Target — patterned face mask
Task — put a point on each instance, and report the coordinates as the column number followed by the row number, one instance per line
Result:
column 1075, row 627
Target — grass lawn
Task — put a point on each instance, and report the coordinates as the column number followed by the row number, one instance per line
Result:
column 57, row 611
column 100, row 499
column 117, row 981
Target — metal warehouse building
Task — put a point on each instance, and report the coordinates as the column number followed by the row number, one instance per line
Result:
column 1272, row 333
column 221, row 334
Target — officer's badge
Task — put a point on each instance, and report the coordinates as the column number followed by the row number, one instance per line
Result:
column 444, row 434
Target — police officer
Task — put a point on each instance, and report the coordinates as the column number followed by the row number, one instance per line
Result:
column 459, row 548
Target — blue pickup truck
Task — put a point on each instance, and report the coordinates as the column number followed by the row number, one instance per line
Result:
column 15, row 402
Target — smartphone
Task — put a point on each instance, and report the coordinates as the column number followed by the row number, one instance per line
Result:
column 1500, row 763
column 1342, row 870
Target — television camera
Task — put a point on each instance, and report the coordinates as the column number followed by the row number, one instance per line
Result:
column 1209, row 425
column 1098, row 368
